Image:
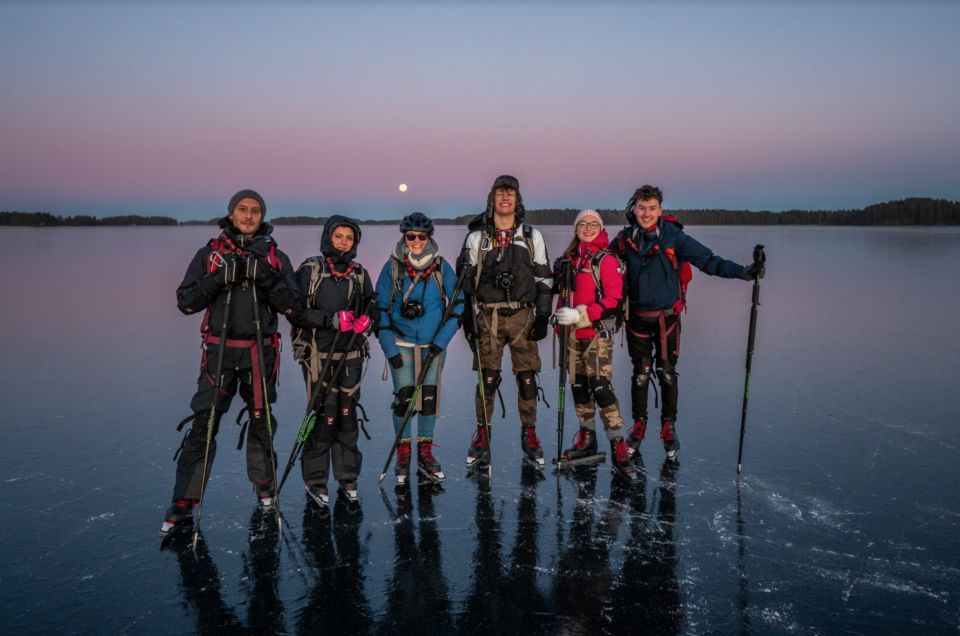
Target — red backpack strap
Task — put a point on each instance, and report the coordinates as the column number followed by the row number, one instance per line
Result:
column 272, row 257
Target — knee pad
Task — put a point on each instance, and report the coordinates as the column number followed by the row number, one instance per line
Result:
column 642, row 377
column 198, row 431
column 400, row 400
column 580, row 389
column 667, row 374
column 602, row 392
column 491, row 380
column 428, row 398
column 527, row 385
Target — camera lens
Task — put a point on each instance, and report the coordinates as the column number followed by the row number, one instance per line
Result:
column 411, row 309
column 504, row 280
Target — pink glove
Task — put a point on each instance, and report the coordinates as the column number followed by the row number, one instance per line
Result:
column 343, row 320
column 361, row 324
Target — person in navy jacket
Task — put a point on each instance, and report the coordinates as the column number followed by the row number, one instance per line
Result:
column 413, row 290
column 654, row 247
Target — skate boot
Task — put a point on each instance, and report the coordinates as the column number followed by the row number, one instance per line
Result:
column 426, row 464
column 265, row 494
column 180, row 512
column 530, row 444
column 620, row 459
column 479, row 447
column 584, row 445
column 402, row 469
column 320, row 494
column 349, row 490
column 636, row 435
column 668, row 434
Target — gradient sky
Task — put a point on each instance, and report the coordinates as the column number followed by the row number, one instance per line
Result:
column 170, row 108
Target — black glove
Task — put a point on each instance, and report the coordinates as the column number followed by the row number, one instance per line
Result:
column 435, row 350
column 752, row 271
column 395, row 361
column 285, row 301
column 539, row 329
column 226, row 274
column 261, row 272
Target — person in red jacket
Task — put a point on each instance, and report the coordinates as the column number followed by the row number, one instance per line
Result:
column 592, row 306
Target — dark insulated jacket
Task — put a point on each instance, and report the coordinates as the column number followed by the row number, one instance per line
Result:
column 652, row 283
column 332, row 294
column 526, row 259
column 192, row 299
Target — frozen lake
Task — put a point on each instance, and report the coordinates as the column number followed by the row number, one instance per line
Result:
column 846, row 518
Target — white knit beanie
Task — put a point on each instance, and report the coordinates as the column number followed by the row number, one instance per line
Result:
column 586, row 213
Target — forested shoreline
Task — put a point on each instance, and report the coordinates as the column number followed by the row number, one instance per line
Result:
column 912, row 211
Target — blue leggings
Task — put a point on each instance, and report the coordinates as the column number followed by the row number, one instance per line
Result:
column 405, row 376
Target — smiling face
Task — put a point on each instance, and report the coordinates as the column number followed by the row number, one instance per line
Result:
column 416, row 241
column 505, row 201
column 587, row 229
column 246, row 216
column 342, row 238
column 648, row 212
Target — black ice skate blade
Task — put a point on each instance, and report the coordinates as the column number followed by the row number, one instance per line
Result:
column 532, row 462
column 479, row 468
column 589, row 460
column 428, row 476
column 323, row 505
column 181, row 528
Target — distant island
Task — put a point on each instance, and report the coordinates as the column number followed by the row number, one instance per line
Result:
column 913, row 211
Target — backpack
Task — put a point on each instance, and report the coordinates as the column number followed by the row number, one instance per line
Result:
column 302, row 342
column 610, row 324
column 398, row 279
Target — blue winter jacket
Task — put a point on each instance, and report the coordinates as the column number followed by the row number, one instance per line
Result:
column 652, row 281
column 422, row 330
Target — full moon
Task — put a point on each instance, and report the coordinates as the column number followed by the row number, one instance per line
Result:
column 402, row 187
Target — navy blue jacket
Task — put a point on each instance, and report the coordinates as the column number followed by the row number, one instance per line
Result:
column 652, row 282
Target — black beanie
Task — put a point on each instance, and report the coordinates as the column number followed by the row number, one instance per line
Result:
column 247, row 194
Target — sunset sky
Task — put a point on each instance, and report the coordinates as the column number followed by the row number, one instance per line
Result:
column 170, row 108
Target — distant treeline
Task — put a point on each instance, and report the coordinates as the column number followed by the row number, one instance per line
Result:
column 45, row 219
column 914, row 211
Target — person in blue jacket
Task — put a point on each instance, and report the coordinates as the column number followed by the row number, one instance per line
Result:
column 655, row 249
column 413, row 290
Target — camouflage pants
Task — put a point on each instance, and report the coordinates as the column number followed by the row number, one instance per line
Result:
column 524, row 357
column 591, row 369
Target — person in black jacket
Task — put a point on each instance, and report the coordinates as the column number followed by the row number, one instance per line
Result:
column 244, row 255
column 654, row 247
column 508, row 288
column 337, row 315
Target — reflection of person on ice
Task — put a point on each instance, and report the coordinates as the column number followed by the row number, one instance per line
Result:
column 595, row 300
column 655, row 247
column 509, row 287
column 220, row 280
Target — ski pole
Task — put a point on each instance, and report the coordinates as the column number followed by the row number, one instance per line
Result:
column 759, row 258
column 305, row 427
column 412, row 403
column 266, row 401
column 213, row 411
column 306, row 424
column 564, row 355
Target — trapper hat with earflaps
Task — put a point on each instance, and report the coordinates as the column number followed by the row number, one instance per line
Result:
column 505, row 181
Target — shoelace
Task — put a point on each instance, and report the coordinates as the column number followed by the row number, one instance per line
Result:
column 532, row 440
column 403, row 454
column 666, row 431
column 480, row 436
column 580, row 439
column 621, row 450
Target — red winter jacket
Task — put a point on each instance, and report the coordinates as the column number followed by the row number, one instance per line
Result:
column 585, row 290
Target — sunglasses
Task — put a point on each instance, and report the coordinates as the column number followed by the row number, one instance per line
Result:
column 417, row 236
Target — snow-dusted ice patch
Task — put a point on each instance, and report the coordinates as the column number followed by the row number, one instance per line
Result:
column 101, row 517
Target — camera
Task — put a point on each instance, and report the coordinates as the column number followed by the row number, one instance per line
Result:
column 504, row 280
column 411, row 310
